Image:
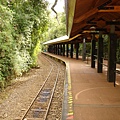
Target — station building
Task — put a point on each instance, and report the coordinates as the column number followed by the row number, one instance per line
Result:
column 87, row 22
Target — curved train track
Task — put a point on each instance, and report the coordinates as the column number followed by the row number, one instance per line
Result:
column 48, row 100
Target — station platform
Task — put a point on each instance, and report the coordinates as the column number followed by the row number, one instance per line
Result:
column 89, row 95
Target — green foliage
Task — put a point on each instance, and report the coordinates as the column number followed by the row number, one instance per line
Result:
column 35, row 52
column 22, row 25
column 6, row 44
column 57, row 28
column 22, row 62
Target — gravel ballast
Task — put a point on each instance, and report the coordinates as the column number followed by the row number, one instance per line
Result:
column 15, row 99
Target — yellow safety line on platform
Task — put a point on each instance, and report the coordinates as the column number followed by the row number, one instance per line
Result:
column 70, row 98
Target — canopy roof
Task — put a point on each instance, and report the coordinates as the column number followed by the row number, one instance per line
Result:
column 82, row 15
column 61, row 40
column 86, row 17
column 57, row 40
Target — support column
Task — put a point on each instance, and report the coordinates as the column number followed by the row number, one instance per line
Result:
column 48, row 48
column 60, row 49
column 63, row 49
column 84, row 50
column 111, row 76
column 93, row 52
column 71, row 51
column 77, row 48
column 56, row 49
column 53, row 49
column 100, row 54
column 67, row 50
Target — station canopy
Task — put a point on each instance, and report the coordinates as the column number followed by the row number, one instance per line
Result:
column 60, row 40
column 87, row 17
column 57, row 40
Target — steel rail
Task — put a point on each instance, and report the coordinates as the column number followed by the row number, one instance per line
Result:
column 53, row 91
column 23, row 118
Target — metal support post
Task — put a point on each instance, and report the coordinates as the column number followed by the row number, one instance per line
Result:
column 63, row 49
column 54, row 49
column 100, row 54
column 71, row 51
column 84, row 50
column 58, row 49
column 111, row 76
column 93, row 52
column 67, row 50
column 77, row 48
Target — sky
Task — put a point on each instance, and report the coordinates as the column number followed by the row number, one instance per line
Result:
column 58, row 7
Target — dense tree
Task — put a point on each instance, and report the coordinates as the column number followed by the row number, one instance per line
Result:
column 6, row 44
column 56, row 29
column 22, row 25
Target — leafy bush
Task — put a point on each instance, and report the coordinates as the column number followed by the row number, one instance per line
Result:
column 6, row 44
column 22, row 24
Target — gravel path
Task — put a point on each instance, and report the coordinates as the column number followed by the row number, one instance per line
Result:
column 15, row 99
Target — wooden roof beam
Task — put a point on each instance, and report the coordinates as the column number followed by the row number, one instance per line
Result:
column 95, row 10
column 91, row 12
column 110, row 9
column 113, row 22
column 86, row 15
column 104, row 4
column 96, row 29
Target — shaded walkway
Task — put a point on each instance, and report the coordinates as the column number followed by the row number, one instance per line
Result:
column 93, row 97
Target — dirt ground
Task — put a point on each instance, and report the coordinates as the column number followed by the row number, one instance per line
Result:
column 16, row 98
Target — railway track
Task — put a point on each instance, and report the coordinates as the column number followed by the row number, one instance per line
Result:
column 46, row 104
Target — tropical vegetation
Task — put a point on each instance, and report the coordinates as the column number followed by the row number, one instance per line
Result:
column 22, row 25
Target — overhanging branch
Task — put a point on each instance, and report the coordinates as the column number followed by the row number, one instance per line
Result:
column 55, row 3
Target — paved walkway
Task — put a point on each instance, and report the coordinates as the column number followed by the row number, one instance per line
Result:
column 90, row 96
